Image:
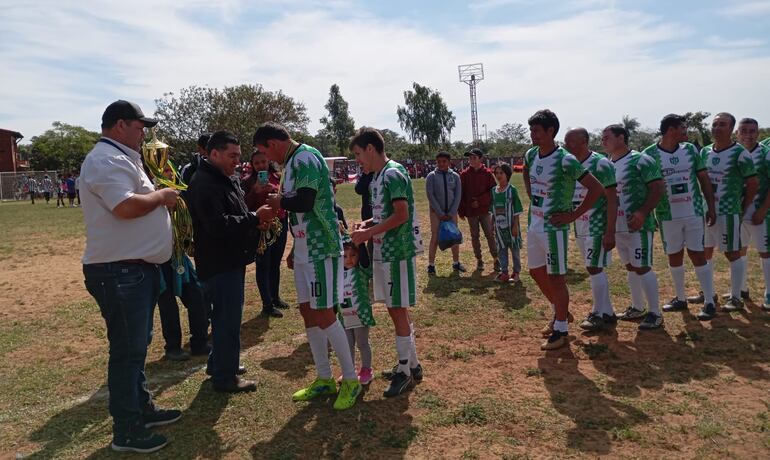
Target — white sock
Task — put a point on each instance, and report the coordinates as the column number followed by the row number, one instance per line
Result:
column 766, row 272
column 745, row 279
column 649, row 284
column 320, row 351
column 637, row 295
column 737, row 272
column 404, row 349
column 413, row 361
column 706, row 278
column 677, row 274
column 607, row 300
column 560, row 326
column 339, row 340
column 598, row 287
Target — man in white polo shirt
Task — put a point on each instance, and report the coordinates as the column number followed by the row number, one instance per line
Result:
column 128, row 233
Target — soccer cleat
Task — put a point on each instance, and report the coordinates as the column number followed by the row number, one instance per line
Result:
column 733, row 304
column 398, row 384
column 349, row 392
column 458, row 267
column 593, row 322
column 502, row 278
column 699, row 298
column 415, row 371
column 610, row 320
column 319, row 387
column 365, row 376
column 555, row 340
column 651, row 321
column 632, row 313
column 675, row 305
column 707, row 313
column 744, row 295
column 431, row 269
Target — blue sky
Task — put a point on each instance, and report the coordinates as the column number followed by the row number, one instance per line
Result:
column 591, row 61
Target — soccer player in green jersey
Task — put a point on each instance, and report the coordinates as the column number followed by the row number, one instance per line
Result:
column 640, row 187
column 595, row 230
column 680, row 212
column 395, row 232
column 755, row 227
column 307, row 195
column 734, row 181
column 550, row 174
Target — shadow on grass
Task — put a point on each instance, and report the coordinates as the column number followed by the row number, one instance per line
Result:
column 444, row 286
column 512, row 295
column 295, row 366
column 253, row 331
column 576, row 276
column 380, row 428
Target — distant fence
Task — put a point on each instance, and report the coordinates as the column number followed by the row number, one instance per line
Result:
column 15, row 186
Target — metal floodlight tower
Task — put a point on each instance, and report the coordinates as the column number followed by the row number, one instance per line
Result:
column 472, row 74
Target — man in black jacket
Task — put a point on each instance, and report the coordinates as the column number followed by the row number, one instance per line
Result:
column 226, row 236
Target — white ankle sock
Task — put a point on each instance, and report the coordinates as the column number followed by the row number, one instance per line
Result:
column 339, row 340
column 737, row 273
column 403, row 349
column 677, row 274
column 706, row 278
column 637, row 294
column 320, row 349
column 598, row 288
column 649, row 284
column 560, row 326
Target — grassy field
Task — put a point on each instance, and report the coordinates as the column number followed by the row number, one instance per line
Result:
column 690, row 390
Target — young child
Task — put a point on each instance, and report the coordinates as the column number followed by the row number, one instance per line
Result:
column 356, row 311
column 506, row 207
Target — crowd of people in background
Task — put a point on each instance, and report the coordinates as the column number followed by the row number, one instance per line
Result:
column 44, row 185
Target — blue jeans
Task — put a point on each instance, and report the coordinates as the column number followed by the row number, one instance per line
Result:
column 268, row 269
column 197, row 312
column 126, row 294
column 225, row 290
column 502, row 256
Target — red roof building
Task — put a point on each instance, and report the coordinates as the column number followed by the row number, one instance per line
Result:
column 10, row 161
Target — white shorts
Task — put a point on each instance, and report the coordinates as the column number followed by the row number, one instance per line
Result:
column 320, row 283
column 549, row 249
column 395, row 283
column 635, row 248
column 678, row 234
column 756, row 235
column 725, row 234
column 592, row 249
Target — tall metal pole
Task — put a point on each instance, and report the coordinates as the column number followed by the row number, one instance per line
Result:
column 474, row 111
column 472, row 74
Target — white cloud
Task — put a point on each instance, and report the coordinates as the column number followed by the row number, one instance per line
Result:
column 748, row 8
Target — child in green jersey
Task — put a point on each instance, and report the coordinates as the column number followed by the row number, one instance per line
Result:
column 505, row 208
column 355, row 313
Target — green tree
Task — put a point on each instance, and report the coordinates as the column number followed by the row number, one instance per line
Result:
column 425, row 117
column 339, row 125
column 698, row 131
column 512, row 139
column 63, row 147
column 630, row 123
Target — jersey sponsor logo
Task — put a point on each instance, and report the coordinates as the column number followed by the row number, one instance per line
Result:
column 539, row 169
column 667, row 172
column 715, row 161
column 300, row 234
column 674, row 160
column 679, row 188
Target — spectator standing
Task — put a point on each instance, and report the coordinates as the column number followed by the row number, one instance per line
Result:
column 71, row 192
column 77, row 187
column 47, row 188
column 476, row 182
column 128, row 232
column 61, row 189
column 32, row 186
column 444, row 192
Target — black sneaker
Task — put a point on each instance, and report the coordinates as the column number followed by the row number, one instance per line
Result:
column 675, row 305
column 734, row 304
column 176, row 355
column 431, row 269
column 159, row 417
column 744, row 295
column 398, row 384
column 458, row 267
column 593, row 322
column 651, row 321
column 139, row 440
column 271, row 312
column 415, row 371
column 707, row 313
column 632, row 313
column 610, row 319
column 278, row 303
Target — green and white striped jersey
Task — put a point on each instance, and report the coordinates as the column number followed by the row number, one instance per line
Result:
column 316, row 233
column 392, row 182
column 633, row 171
column 766, row 142
column 356, row 310
column 728, row 169
column 594, row 221
column 761, row 158
column 683, row 197
column 505, row 205
column 552, row 180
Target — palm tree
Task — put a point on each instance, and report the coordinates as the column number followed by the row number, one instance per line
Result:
column 631, row 124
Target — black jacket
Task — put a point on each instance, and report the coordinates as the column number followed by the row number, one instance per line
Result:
column 224, row 230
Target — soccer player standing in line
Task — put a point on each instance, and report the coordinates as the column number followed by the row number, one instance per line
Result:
column 395, row 231
column 640, row 187
column 316, row 256
column 680, row 210
column 755, row 219
column 550, row 174
column 734, row 181
column 595, row 230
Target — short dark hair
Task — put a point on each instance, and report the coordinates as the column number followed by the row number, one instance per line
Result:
column 443, row 154
column 203, row 140
column 506, row 168
column 220, row 139
column 350, row 245
column 366, row 136
column 727, row 115
column 545, row 119
column 270, row 131
column 617, row 129
column 749, row 121
column 671, row 120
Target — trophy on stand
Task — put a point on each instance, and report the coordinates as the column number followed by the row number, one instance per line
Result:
column 166, row 175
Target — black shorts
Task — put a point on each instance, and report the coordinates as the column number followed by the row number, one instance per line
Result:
column 71, row 195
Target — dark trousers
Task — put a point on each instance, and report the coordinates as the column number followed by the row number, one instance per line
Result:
column 225, row 290
column 126, row 294
column 197, row 312
column 268, row 269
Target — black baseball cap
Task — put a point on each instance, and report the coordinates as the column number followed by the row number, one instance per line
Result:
column 478, row 152
column 124, row 110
